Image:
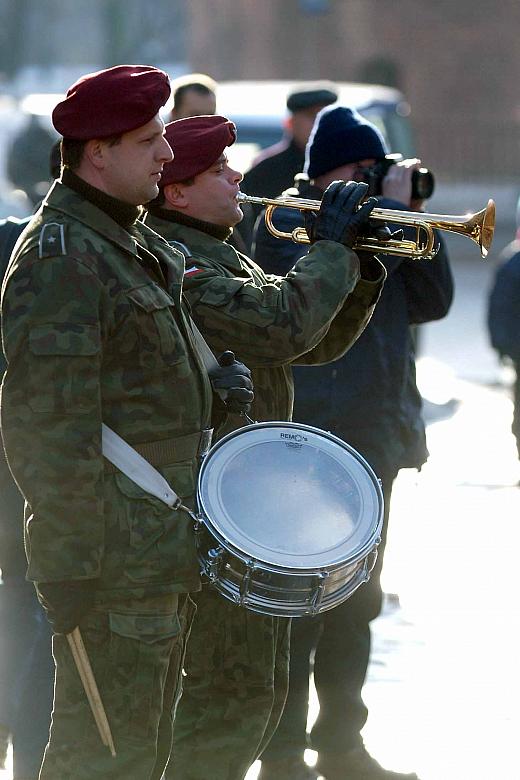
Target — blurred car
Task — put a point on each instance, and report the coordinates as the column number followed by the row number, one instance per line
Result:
column 258, row 109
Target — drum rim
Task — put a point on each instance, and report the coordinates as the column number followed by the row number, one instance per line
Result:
column 356, row 555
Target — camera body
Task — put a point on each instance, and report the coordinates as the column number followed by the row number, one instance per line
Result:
column 423, row 182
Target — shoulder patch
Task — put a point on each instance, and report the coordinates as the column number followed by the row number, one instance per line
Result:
column 181, row 248
column 52, row 240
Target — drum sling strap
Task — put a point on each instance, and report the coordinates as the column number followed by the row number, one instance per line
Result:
column 126, row 459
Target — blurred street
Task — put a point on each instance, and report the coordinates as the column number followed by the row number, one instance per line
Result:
column 443, row 685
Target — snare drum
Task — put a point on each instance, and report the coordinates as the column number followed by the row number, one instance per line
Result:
column 289, row 519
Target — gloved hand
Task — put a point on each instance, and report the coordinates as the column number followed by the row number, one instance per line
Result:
column 232, row 382
column 340, row 217
column 66, row 603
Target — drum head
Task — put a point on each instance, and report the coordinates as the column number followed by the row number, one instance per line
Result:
column 290, row 495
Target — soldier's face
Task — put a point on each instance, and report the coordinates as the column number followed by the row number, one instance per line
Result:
column 213, row 195
column 133, row 166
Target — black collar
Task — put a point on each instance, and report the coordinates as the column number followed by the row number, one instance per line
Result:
column 171, row 215
column 123, row 213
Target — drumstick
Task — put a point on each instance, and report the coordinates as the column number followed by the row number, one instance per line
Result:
column 82, row 662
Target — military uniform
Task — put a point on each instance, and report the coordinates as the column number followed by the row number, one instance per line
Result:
column 93, row 333
column 237, row 661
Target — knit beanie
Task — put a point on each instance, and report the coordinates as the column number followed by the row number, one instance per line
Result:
column 341, row 136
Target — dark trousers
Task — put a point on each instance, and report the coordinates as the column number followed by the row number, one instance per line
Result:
column 26, row 674
column 516, row 408
column 339, row 640
column 26, row 665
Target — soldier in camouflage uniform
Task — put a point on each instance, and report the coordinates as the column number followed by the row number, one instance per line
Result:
column 94, row 330
column 237, row 664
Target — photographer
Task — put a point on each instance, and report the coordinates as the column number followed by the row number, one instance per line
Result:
column 368, row 398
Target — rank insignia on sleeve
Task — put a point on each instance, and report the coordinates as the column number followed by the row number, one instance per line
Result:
column 52, row 240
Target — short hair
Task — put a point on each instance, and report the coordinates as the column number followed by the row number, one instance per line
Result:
column 198, row 82
column 72, row 150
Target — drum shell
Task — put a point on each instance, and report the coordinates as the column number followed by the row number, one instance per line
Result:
column 272, row 588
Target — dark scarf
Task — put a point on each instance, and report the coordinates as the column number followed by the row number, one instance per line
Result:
column 123, row 213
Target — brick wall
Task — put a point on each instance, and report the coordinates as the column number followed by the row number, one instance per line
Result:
column 458, row 63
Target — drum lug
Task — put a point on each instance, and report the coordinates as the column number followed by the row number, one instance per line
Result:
column 370, row 562
column 317, row 593
column 214, row 564
column 246, row 583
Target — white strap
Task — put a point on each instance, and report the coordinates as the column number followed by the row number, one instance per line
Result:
column 136, row 468
column 208, row 358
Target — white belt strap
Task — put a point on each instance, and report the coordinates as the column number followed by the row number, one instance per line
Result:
column 137, row 468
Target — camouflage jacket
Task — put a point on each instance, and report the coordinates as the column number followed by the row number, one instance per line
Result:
column 311, row 316
column 90, row 335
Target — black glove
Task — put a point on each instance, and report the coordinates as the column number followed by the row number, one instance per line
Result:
column 66, row 603
column 232, row 382
column 340, row 217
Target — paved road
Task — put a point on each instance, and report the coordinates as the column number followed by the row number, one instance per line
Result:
column 443, row 686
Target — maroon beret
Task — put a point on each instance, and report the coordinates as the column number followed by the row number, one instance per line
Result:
column 197, row 142
column 111, row 102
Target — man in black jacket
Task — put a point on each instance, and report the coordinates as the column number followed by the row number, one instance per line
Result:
column 369, row 398
column 275, row 167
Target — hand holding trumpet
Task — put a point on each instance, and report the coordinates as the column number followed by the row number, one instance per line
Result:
column 341, row 216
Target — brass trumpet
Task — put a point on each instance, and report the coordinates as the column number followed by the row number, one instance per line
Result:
column 479, row 227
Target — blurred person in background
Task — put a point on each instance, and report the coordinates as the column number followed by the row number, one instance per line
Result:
column 193, row 95
column 503, row 319
column 28, row 159
column 26, row 665
column 237, row 660
column 274, row 169
column 369, row 398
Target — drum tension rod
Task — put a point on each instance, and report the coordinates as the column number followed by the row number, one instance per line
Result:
column 318, row 593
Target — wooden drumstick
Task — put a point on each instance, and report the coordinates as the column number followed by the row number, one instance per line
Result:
column 82, row 662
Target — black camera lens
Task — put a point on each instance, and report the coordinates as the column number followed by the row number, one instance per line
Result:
column 423, row 184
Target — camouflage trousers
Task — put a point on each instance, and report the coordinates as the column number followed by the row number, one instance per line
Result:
column 237, row 668
column 136, row 650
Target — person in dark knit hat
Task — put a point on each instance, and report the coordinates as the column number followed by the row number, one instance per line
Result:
column 368, row 398
column 275, row 167
column 94, row 333
column 327, row 148
column 237, row 661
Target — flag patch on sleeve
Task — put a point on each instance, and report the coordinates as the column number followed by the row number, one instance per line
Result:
column 192, row 270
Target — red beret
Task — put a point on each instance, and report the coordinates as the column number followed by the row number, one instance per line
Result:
column 111, row 102
column 197, row 142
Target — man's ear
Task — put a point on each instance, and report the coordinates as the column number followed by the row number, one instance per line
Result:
column 176, row 196
column 95, row 153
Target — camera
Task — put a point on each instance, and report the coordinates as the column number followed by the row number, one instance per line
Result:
column 423, row 182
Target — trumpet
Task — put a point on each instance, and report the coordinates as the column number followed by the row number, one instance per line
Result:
column 479, row 227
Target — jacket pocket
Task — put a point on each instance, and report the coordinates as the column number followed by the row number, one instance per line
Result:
column 152, row 534
column 157, row 328
column 66, row 373
column 145, row 628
